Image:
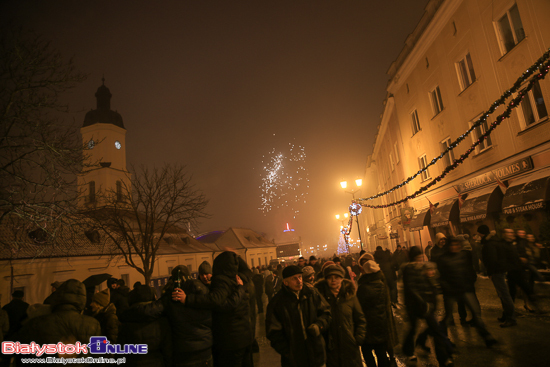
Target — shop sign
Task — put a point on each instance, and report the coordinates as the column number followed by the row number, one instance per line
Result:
column 440, row 224
column 472, row 218
column 504, row 172
column 524, row 208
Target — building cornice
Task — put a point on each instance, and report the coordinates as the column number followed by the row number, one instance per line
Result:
column 432, row 31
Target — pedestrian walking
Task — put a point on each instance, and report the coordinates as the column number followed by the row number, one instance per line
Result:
column 258, row 281
column 457, row 279
column 387, row 265
column 381, row 334
column 420, row 290
column 104, row 312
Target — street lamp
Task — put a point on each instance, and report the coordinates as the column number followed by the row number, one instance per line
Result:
column 358, row 183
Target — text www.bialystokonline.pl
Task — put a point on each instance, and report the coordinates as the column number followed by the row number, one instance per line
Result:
column 62, row 360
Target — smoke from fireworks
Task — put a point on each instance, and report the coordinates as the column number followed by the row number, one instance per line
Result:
column 285, row 181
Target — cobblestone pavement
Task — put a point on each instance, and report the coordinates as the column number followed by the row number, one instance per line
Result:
column 526, row 344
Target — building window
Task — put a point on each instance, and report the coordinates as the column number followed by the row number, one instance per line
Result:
column 170, row 268
column 423, row 163
column 465, row 70
column 437, row 102
column 533, row 106
column 480, row 130
column 252, row 262
column 510, row 29
column 415, row 122
column 118, row 191
column 392, row 165
column 396, row 153
column 91, row 192
column 449, row 157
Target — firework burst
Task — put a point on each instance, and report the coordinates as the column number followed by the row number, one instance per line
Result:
column 285, row 181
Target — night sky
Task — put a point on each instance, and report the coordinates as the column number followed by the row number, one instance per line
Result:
column 219, row 85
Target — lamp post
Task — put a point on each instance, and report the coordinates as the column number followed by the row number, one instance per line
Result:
column 358, row 183
column 344, row 229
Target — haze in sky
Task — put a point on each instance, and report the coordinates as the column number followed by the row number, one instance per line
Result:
column 223, row 86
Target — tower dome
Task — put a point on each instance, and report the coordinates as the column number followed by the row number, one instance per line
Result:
column 103, row 113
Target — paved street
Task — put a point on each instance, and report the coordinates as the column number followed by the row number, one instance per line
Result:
column 524, row 345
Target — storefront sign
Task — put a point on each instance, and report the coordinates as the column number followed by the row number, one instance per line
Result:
column 504, row 172
column 473, row 218
column 524, row 208
column 440, row 224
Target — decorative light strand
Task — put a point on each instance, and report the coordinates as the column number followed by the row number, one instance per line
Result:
column 538, row 65
column 543, row 70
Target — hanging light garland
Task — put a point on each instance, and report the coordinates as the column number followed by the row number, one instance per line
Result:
column 543, row 70
column 538, row 65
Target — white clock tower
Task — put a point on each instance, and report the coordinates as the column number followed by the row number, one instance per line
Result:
column 104, row 135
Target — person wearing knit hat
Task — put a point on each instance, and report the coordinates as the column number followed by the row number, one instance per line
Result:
column 365, row 257
column 105, row 312
column 439, row 248
column 349, row 333
column 205, row 273
column 375, row 301
column 308, row 275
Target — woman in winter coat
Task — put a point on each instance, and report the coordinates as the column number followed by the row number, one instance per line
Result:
column 374, row 296
column 347, row 330
column 104, row 311
column 155, row 333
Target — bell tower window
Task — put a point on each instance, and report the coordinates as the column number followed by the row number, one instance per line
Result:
column 118, row 191
column 91, row 192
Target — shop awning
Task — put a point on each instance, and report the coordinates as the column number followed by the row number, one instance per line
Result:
column 420, row 219
column 481, row 202
column 527, row 193
column 445, row 212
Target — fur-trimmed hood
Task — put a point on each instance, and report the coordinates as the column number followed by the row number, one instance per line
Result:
column 347, row 290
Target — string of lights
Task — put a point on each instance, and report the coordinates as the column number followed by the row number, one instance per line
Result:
column 538, row 65
column 543, row 69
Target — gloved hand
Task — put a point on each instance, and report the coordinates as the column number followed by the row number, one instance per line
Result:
column 314, row 330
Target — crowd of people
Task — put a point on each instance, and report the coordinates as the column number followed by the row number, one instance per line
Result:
column 319, row 312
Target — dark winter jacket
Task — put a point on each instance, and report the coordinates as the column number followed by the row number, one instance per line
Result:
column 374, row 298
column 399, row 258
column 347, row 330
column 108, row 321
column 156, row 333
column 494, row 255
column 17, row 312
column 436, row 253
column 287, row 319
column 229, row 303
column 65, row 324
column 420, row 291
column 456, row 272
column 191, row 328
column 258, row 280
column 119, row 297
column 384, row 259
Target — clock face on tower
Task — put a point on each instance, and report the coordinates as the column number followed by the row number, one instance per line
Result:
column 118, row 145
column 91, row 144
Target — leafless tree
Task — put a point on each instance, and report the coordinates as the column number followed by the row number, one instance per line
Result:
column 159, row 202
column 40, row 152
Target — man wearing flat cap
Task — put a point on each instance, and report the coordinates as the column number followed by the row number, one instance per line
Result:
column 297, row 317
column 17, row 312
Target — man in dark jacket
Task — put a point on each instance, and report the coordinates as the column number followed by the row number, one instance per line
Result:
column 191, row 329
column 66, row 323
column 457, row 279
column 495, row 261
column 420, row 291
column 314, row 264
column 297, row 316
column 156, row 333
column 118, row 294
column 258, row 280
column 230, row 320
column 387, row 266
column 205, row 273
column 17, row 312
